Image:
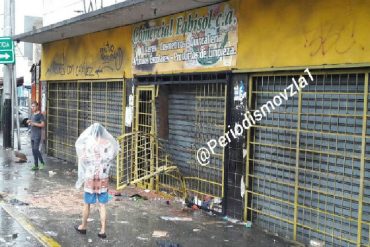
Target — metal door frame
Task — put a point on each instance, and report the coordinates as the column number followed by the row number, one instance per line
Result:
column 150, row 135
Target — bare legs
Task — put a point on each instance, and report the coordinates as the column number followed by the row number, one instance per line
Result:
column 103, row 217
column 86, row 213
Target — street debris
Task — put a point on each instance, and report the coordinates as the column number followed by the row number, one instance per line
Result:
column 52, row 173
column 213, row 222
column 166, row 243
column 123, row 222
column 146, row 191
column 196, row 230
column 59, row 200
column 51, row 233
column 142, row 238
column 207, row 203
column 136, row 197
column 16, row 202
column 159, row 234
column 90, row 219
column 2, row 196
column 234, row 221
column 89, row 240
column 168, row 218
column 20, row 157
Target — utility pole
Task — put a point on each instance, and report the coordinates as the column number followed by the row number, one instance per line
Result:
column 8, row 75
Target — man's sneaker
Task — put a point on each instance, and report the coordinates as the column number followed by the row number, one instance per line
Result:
column 34, row 168
column 42, row 165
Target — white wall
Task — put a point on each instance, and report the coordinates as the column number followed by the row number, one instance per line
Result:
column 57, row 10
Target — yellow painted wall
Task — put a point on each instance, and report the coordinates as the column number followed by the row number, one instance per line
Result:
column 271, row 33
column 279, row 33
column 100, row 55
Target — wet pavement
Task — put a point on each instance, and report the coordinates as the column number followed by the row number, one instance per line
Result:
column 13, row 234
column 51, row 206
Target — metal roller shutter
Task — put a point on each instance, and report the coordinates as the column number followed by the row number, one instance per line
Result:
column 327, row 120
column 196, row 114
column 75, row 105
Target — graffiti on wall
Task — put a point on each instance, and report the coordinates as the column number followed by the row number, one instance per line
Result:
column 109, row 59
column 331, row 36
column 201, row 38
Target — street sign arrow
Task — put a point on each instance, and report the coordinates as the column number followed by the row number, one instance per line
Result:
column 6, row 56
column 6, row 50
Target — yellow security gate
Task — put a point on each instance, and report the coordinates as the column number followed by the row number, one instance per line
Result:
column 137, row 158
column 308, row 162
column 141, row 158
column 144, row 124
column 195, row 113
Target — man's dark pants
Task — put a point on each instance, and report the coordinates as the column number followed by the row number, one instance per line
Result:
column 35, row 143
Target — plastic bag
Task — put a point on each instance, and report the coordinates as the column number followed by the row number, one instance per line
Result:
column 95, row 148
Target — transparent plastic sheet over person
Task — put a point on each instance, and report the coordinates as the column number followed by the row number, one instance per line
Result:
column 95, row 148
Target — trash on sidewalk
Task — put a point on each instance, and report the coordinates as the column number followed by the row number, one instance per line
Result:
column 159, row 234
column 51, row 233
column 20, row 157
column 166, row 243
column 15, row 235
column 89, row 240
column 248, row 224
column 207, row 203
column 52, row 173
column 2, row 195
column 196, row 230
column 176, row 218
column 18, row 202
column 234, row 221
column 90, row 219
column 123, row 222
column 137, row 197
column 114, row 192
column 142, row 238
column 146, row 191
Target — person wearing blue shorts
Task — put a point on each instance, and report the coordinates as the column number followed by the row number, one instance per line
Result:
column 95, row 149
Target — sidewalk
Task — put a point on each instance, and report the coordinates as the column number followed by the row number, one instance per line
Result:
column 54, row 207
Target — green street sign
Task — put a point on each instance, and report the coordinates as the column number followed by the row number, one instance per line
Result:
column 6, row 50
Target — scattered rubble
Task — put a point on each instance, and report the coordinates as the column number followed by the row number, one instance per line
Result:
column 159, row 234
column 166, row 243
column 168, row 218
column 20, row 157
